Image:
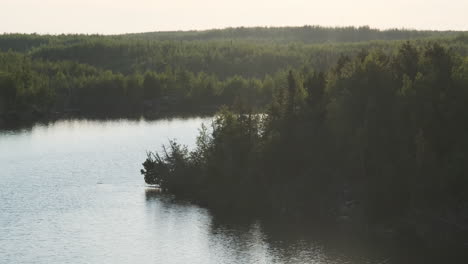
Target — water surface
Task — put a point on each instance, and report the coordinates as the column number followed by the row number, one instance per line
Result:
column 71, row 192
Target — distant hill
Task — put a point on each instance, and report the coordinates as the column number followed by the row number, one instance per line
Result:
column 256, row 35
column 305, row 34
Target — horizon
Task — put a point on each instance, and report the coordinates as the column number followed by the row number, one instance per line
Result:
column 106, row 17
column 236, row 27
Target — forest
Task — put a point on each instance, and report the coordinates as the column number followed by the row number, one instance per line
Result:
column 376, row 140
column 165, row 73
column 349, row 125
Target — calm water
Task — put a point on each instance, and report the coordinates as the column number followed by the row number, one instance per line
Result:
column 71, row 192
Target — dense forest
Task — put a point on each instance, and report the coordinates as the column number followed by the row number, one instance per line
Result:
column 353, row 125
column 378, row 139
column 305, row 34
column 53, row 76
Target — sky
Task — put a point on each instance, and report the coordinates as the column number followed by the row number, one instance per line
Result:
column 130, row 16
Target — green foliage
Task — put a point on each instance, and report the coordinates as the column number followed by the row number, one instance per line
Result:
column 153, row 73
column 389, row 130
column 305, row 34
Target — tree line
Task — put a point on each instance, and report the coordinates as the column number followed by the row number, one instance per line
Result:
column 127, row 75
column 377, row 138
column 305, row 34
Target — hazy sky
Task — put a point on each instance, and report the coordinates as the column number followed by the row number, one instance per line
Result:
column 120, row 16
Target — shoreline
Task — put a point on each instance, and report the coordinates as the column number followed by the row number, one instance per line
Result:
column 433, row 245
column 8, row 123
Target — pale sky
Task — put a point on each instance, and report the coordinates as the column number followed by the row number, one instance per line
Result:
column 128, row 16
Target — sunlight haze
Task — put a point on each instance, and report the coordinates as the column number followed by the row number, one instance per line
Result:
column 125, row 16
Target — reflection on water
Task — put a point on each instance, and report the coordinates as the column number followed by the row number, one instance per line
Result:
column 71, row 192
column 230, row 238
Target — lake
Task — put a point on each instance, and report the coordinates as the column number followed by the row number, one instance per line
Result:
column 71, row 192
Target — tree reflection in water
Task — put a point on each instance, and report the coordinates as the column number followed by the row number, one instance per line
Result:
column 229, row 237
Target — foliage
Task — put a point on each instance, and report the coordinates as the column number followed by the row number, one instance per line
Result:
column 152, row 73
column 387, row 130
